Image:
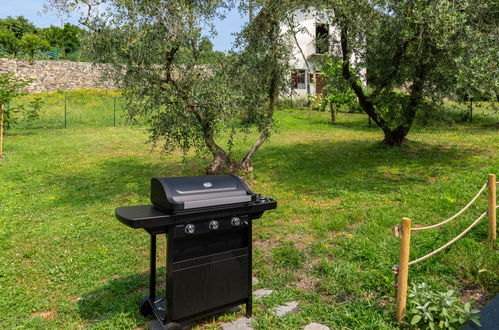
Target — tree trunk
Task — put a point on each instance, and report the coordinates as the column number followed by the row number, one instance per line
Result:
column 221, row 162
column 395, row 137
column 246, row 166
column 332, row 108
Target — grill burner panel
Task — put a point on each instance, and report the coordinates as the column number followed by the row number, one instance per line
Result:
column 208, row 223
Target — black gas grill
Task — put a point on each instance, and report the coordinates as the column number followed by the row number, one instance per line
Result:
column 207, row 220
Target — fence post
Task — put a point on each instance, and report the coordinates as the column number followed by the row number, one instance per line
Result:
column 65, row 113
column 1, row 130
column 492, row 208
column 403, row 271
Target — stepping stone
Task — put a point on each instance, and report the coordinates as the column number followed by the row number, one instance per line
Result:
column 315, row 326
column 255, row 281
column 288, row 308
column 261, row 293
column 241, row 323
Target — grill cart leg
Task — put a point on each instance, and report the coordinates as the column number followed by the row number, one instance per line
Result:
column 152, row 278
column 169, row 275
column 249, row 303
column 146, row 304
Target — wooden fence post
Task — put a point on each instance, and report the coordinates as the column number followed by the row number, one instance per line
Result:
column 403, row 271
column 492, row 208
column 1, row 130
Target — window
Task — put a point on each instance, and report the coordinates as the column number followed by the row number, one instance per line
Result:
column 321, row 38
column 298, row 79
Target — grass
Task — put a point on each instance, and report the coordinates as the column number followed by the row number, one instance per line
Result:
column 66, row 262
column 84, row 108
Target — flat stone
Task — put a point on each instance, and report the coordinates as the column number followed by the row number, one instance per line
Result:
column 255, row 281
column 288, row 308
column 261, row 293
column 156, row 325
column 315, row 326
column 241, row 323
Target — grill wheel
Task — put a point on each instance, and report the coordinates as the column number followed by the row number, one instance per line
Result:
column 145, row 307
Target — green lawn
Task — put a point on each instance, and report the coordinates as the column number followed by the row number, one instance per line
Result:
column 66, row 262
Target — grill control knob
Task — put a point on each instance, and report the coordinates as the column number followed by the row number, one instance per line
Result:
column 235, row 222
column 214, row 225
column 190, row 229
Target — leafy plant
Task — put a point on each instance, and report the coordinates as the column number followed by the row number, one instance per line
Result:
column 338, row 92
column 9, row 119
column 30, row 43
column 9, row 42
column 438, row 310
column 34, row 107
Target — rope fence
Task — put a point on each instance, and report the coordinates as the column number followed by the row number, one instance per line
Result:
column 455, row 215
column 404, row 230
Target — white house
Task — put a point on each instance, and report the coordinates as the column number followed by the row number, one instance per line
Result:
column 311, row 38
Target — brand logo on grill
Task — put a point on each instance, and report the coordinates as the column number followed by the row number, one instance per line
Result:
column 207, row 184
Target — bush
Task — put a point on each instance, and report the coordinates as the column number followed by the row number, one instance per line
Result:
column 34, row 107
column 438, row 310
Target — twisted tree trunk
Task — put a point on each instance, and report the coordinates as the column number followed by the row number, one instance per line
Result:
column 392, row 136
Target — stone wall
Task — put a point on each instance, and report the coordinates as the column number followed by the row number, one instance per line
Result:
column 50, row 76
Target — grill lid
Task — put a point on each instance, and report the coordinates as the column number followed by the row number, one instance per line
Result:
column 194, row 192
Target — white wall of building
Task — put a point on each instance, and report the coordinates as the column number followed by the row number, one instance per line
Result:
column 305, row 56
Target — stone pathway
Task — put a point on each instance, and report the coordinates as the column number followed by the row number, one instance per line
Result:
column 261, row 293
column 315, row 326
column 255, row 281
column 288, row 308
column 241, row 323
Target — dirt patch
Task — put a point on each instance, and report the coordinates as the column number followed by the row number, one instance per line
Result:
column 472, row 292
column 306, row 282
column 49, row 315
column 301, row 241
column 265, row 245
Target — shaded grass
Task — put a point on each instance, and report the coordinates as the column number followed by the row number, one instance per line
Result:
column 339, row 193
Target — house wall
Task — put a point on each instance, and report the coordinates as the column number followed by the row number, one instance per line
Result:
column 306, row 22
column 50, row 76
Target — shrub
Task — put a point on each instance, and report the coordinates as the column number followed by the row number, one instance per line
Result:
column 438, row 310
column 34, row 107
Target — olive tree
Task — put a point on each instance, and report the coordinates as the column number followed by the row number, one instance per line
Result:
column 415, row 52
column 155, row 47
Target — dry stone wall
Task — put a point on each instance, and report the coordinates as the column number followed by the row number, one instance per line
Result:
column 51, row 76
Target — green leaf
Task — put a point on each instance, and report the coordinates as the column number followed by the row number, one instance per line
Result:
column 415, row 319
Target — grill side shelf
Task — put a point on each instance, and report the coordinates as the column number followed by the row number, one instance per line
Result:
column 143, row 216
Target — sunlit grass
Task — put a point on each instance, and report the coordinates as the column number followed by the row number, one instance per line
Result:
column 66, row 262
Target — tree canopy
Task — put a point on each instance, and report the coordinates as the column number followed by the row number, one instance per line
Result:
column 155, row 50
column 65, row 40
column 415, row 52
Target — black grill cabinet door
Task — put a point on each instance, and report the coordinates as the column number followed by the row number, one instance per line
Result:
column 209, row 285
